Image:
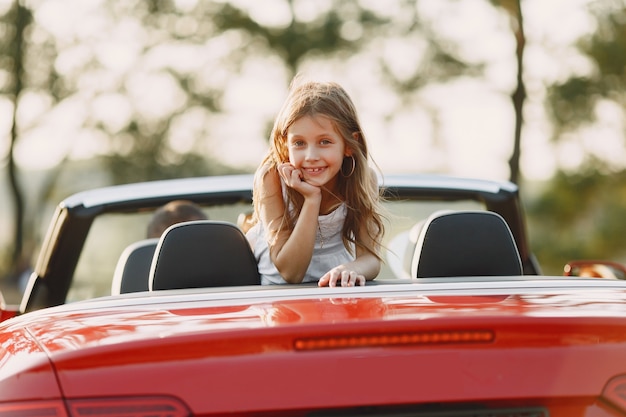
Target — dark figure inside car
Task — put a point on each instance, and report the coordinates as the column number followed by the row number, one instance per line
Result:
column 171, row 213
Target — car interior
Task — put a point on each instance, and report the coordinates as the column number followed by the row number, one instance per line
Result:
column 126, row 270
column 207, row 253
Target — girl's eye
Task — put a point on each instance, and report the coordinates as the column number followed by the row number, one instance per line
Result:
column 297, row 143
column 325, row 142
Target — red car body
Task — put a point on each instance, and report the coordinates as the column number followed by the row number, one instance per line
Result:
column 517, row 347
column 495, row 346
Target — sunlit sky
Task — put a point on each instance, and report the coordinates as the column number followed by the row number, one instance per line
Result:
column 475, row 131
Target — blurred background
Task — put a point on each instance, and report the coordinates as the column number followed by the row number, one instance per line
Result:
column 100, row 92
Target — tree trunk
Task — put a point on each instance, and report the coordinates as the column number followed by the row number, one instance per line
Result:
column 519, row 95
column 21, row 21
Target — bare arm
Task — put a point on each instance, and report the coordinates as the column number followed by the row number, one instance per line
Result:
column 366, row 265
column 290, row 251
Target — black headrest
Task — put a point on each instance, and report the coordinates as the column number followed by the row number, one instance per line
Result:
column 133, row 267
column 203, row 253
column 465, row 243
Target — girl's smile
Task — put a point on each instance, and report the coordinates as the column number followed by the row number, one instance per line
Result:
column 313, row 171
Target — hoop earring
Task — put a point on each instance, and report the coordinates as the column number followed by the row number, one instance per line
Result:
column 349, row 174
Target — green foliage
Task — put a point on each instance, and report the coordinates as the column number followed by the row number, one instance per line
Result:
column 571, row 103
column 607, row 45
column 11, row 46
column 579, row 216
column 323, row 35
column 143, row 168
column 143, row 142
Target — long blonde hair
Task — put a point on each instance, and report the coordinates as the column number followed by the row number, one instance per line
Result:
column 362, row 198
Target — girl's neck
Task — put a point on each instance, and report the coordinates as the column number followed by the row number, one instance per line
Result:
column 330, row 201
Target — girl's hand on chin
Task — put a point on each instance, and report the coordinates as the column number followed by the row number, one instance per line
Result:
column 294, row 179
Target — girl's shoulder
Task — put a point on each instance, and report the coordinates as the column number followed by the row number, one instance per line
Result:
column 267, row 181
column 266, row 172
column 264, row 169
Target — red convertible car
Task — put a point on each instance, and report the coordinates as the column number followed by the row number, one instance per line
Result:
column 460, row 323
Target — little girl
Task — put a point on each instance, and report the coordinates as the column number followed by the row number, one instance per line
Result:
column 316, row 200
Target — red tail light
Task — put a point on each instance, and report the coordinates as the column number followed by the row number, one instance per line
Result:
column 108, row 407
column 128, row 407
column 33, row 409
column 615, row 392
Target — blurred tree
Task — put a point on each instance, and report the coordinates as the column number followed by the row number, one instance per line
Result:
column 574, row 103
column 341, row 30
column 26, row 68
column 329, row 30
column 579, row 216
column 437, row 62
column 146, row 144
column 580, row 213
column 157, row 94
column 14, row 22
column 518, row 97
column 149, row 141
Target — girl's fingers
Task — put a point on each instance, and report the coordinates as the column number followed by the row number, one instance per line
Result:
column 351, row 279
column 285, row 171
column 346, row 278
column 290, row 174
column 330, row 279
column 342, row 278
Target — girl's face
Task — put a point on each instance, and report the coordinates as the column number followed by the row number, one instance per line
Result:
column 316, row 149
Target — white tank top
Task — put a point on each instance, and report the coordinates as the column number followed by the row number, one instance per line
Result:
column 328, row 252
